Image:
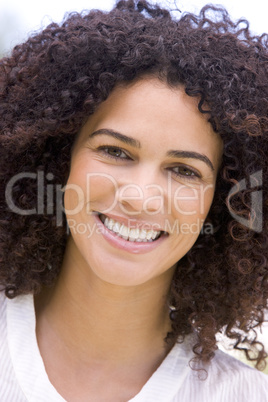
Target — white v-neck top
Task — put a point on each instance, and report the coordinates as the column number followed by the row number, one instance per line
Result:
column 23, row 376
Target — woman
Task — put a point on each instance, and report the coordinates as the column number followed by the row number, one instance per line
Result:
column 152, row 132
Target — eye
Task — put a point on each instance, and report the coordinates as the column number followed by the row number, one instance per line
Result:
column 185, row 171
column 113, row 152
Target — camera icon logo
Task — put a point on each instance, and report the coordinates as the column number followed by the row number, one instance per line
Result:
column 255, row 220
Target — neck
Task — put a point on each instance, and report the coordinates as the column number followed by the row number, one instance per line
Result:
column 97, row 320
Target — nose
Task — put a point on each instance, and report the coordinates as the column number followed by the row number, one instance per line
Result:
column 141, row 193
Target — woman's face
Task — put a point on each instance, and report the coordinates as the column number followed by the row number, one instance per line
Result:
column 142, row 180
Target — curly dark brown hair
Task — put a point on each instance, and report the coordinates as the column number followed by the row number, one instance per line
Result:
column 53, row 82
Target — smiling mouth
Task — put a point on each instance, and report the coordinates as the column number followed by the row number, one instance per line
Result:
column 130, row 234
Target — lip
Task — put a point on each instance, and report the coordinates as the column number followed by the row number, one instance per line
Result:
column 120, row 243
column 133, row 223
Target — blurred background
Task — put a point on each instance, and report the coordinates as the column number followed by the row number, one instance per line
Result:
column 20, row 18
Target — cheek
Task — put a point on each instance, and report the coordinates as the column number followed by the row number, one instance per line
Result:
column 87, row 189
column 74, row 192
column 101, row 192
column 191, row 203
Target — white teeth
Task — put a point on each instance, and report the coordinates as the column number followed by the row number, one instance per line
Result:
column 143, row 234
column 123, row 231
column 106, row 222
column 110, row 223
column 154, row 235
column 134, row 233
column 116, row 227
column 137, row 235
column 149, row 234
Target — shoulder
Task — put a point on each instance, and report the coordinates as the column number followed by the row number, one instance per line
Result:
column 9, row 387
column 3, row 302
column 229, row 379
column 223, row 379
column 224, row 366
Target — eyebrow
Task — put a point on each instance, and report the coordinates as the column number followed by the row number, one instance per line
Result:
column 191, row 155
column 121, row 137
column 136, row 144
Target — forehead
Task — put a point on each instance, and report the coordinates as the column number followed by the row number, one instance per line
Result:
column 155, row 114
